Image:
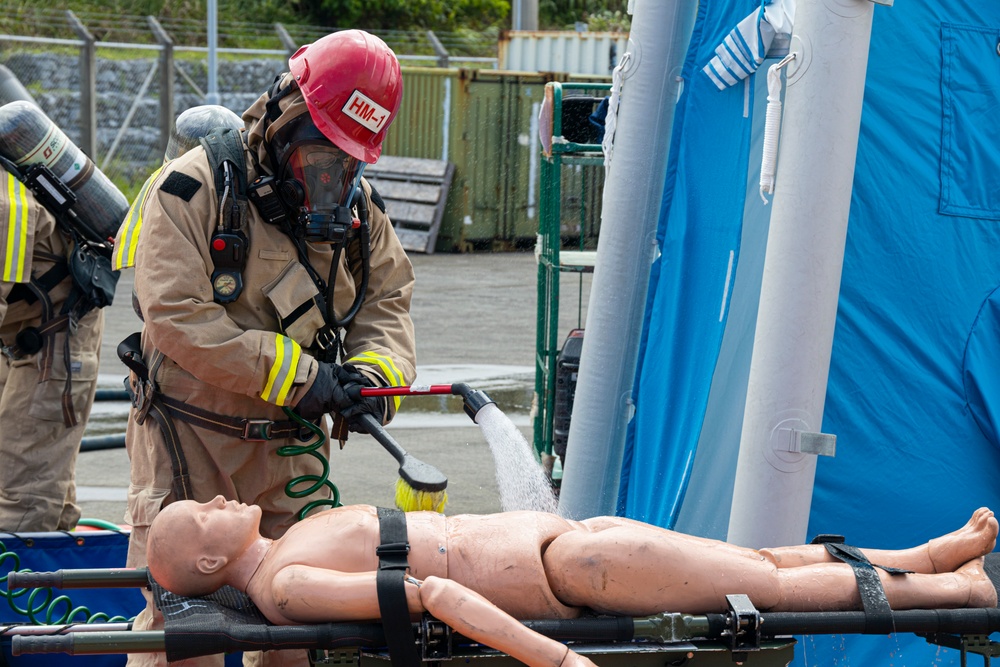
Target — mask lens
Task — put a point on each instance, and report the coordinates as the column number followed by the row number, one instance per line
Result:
column 329, row 176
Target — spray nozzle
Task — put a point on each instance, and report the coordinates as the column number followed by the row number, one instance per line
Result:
column 474, row 400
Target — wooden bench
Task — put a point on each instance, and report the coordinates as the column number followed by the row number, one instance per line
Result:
column 415, row 191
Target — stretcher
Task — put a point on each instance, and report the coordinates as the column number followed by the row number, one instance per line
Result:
column 227, row 621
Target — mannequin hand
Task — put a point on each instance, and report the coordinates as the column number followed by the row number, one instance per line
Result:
column 329, row 391
column 574, row 659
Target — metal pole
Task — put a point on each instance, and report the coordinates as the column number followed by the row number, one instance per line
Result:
column 212, row 96
column 525, row 15
column 88, row 86
column 802, row 268
column 286, row 40
column 439, row 50
column 166, row 80
column 661, row 30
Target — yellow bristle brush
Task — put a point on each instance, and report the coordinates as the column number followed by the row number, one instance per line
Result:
column 420, row 486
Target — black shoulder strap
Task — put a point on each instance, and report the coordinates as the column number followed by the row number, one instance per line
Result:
column 392, row 565
column 44, row 282
column 224, row 148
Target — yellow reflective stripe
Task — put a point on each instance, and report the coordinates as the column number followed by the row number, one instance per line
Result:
column 389, row 370
column 282, row 374
column 15, row 258
column 129, row 237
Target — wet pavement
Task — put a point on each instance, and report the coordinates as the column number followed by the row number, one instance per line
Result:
column 475, row 318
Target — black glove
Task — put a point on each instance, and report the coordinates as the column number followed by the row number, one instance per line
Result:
column 329, row 392
column 371, row 405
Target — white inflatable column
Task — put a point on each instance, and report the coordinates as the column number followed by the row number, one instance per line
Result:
column 661, row 30
column 801, row 282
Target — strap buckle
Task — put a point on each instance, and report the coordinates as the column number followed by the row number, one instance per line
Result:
column 141, row 393
column 11, row 352
column 325, row 338
column 256, row 430
column 392, row 555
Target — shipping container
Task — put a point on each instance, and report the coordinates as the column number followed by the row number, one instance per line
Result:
column 485, row 122
column 561, row 51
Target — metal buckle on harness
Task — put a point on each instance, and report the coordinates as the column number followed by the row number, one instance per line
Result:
column 140, row 393
column 11, row 352
column 325, row 338
column 257, row 430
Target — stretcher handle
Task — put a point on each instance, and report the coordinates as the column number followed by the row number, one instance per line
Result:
column 89, row 643
column 82, row 578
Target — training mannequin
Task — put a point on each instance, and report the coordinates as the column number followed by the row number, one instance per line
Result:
column 478, row 573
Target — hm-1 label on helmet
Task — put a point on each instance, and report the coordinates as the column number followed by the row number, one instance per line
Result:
column 366, row 111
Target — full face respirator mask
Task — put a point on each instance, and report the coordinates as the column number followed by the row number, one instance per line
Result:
column 315, row 186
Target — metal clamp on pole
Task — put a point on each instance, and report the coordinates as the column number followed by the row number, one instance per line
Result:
column 744, row 625
column 436, row 636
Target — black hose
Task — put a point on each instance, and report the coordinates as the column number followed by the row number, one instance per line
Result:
column 98, row 442
column 111, row 395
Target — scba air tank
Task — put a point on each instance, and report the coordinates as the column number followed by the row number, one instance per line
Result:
column 12, row 89
column 28, row 137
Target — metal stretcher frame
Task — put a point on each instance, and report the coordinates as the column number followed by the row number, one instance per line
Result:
column 227, row 621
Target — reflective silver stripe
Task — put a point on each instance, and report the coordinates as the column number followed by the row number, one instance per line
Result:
column 392, row 374
column 282, row 374
column 15, row 258
column 128, row 236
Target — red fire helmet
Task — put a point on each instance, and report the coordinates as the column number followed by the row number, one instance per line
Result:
column 353, row 88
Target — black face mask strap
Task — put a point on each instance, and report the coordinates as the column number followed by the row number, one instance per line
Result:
column 275, row 95
column 272, row 111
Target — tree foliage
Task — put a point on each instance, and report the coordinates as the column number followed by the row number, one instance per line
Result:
column 598, row 15
column 444, row 15
column 439, row 15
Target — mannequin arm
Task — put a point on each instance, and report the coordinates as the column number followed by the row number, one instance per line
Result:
column 305, row 594
column 477, row 618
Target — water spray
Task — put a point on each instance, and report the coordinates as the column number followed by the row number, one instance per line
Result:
column 521, row 482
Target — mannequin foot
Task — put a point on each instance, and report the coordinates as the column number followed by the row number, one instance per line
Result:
column 982, row 593
column 974, row 539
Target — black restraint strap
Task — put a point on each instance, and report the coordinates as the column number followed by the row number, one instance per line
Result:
column 878, row 613
column 392, row 565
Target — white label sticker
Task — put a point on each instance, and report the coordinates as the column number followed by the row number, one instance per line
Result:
column 366, row 111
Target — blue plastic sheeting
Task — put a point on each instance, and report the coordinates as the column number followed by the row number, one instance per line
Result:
column 691, row 282
column 47, row 552
column 913, row 389
column 914, row 386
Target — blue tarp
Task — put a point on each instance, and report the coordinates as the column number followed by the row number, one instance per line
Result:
column 914, row 385
column 47, row 552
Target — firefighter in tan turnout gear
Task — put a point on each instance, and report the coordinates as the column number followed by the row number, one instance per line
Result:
column 58, row 213
column 40, row 431
column 267, row 279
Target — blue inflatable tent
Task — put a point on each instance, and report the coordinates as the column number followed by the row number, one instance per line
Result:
column 914, row 386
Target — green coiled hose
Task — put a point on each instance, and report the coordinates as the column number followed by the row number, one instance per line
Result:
column 44, row 612
column 315, row 482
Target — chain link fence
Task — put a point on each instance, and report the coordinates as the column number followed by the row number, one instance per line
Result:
column 116, row 99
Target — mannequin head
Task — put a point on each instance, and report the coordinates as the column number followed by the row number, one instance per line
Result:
column 191, row 544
